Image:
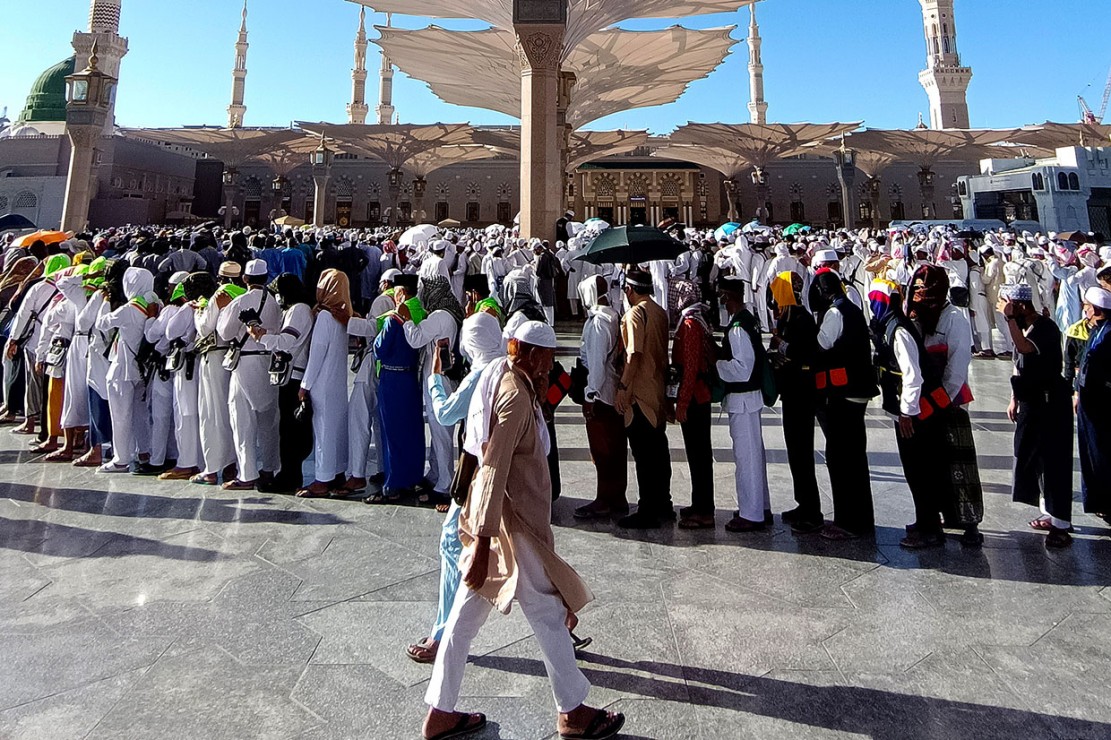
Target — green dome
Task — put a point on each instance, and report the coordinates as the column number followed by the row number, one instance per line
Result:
column 47, row 101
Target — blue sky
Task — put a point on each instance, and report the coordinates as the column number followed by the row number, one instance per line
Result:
column 825, row 60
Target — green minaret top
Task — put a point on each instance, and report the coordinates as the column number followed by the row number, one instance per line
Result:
column 47, row 99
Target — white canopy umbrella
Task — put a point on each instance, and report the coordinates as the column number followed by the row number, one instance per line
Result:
column 422, row 233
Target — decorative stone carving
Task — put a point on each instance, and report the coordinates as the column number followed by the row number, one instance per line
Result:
column 540, row 48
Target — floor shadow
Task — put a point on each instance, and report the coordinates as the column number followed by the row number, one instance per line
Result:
column 63, row 541
column 1007, row 556
column 871, row 713
column 153, row 506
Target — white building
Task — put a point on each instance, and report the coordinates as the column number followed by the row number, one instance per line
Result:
column 1070, row 191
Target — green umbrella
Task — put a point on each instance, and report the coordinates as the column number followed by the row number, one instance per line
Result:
column 794, row 229
column 632, row 245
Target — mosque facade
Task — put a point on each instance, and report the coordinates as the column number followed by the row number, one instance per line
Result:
column 138, row 182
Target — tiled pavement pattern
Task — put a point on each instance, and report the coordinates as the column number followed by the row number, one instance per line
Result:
column 133, row 608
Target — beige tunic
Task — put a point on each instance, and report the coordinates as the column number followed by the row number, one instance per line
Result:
column 511, row 500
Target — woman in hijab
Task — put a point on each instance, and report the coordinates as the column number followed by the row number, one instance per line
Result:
column 399, row 396
column 130, row 419
column 794, row 345
column 694, row 355
column 605, row 428
column 439, row 330
column 325, row 382
column 481, row 341
column 947, row 336
column 520, row 302
column 14, row 275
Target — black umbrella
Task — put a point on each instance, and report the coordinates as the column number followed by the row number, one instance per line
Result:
column 14, row 221
column 632, row 245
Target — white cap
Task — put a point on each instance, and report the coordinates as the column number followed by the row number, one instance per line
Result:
column 536, row 333
column 826, row 255
column 1098, row 297
column 178, row 277
column 389, row 275
column 256, row 268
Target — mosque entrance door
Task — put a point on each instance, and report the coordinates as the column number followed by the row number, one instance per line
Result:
column 251, row 211
column 606, row 213
column 343, row 213
column 638, row 215
column 671, row 212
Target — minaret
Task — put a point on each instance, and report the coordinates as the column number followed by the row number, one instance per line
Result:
column 358, row 109
column 757, row 107
column 945, row 80
column 104, row 29
column 385, row 86
column 237, row 111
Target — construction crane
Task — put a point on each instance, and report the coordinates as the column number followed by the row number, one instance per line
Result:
column 1087, row 115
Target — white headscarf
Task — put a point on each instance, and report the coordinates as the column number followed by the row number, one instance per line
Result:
column 138, row 283
column 481, row 340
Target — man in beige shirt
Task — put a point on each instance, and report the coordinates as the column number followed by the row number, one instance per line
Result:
column 642, row 399
column 510, row 554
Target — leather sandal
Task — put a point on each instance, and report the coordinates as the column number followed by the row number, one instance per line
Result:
column 604, row 725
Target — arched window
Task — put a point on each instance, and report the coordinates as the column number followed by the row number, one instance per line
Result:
column 671, row 187
column 605, row 187
column 252, row 189
column 1062, row 181
column 26, row 199
column 1037, row 181
column 3, row 204
column 345, row 188
column 1074, row 181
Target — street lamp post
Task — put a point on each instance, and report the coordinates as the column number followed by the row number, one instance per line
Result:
column 731, row 196
column 89, row 97
column 846, row 176
column 760, row 182
column 926, row 186
column 231, row 180
column 420, row 186
column 393, row 188
column 277, row 190
column 875, row 186
column 321, row 160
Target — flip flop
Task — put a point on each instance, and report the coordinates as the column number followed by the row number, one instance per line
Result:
column 604, row 725
column 308, row 492
column 239, row 485
column 59, row 456
column 422, row 652
column 581, row 643
column 467, row 724
column 201, row 479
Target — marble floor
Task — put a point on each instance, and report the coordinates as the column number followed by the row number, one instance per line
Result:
column 133, row 608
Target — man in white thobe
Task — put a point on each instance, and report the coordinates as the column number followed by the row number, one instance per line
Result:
column 254, row 402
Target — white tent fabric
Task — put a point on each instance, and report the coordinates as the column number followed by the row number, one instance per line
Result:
column 616, row 70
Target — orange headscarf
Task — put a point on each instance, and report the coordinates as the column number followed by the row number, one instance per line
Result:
column 333, row 294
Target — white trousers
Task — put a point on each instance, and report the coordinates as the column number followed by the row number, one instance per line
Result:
column 215, row 416
column 163, row 445
column 130, row 421
column 363, row 427
column 753, row 496
column 254, row 424
column 549, row 314
column 441, row 457
column 546, row 614
column 187, row 421
column 1001, row 324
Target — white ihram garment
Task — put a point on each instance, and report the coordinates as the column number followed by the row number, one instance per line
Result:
column 187, row 430
column 326, row 381
column 254, row 402
column 744, row 409
column 441, row 459
column 217, row 446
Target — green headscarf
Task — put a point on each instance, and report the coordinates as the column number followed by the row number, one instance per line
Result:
column 56, row 263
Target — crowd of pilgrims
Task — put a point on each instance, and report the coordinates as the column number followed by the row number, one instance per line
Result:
column 232, row 357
